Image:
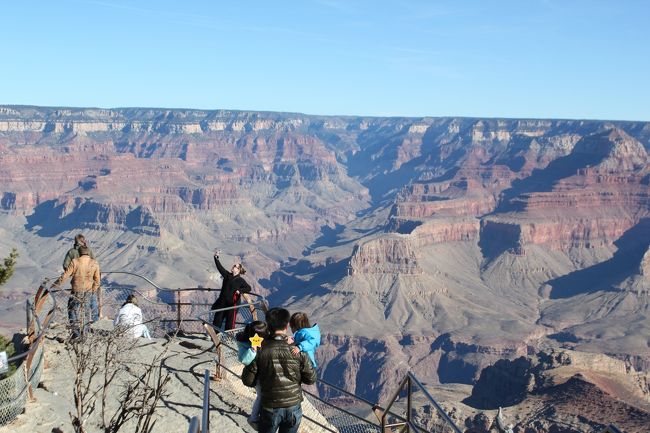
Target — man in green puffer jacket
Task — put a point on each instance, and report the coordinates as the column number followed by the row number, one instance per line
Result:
column 280, row 374
column 73, row 253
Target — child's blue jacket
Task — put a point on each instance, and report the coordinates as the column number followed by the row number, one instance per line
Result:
column 245, row 353
column 307, row 340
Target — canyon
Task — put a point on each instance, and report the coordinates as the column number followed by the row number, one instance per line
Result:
column 439, row 245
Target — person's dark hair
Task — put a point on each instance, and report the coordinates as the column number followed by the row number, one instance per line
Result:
column 299, row 320
column 84, row 251
column 257, row 327
column 277, row 319
column 131, row 299
column 80, row 240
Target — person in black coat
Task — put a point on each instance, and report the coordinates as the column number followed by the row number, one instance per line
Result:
column 231, row 290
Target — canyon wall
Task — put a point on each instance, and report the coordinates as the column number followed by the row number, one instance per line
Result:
column 434, row 244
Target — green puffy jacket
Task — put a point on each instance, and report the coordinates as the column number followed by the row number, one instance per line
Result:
column 73, row 253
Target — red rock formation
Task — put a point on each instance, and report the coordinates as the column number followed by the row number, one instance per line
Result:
column 392, row 255
column 441, row 231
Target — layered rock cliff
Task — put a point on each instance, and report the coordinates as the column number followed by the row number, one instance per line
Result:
column 437, row 244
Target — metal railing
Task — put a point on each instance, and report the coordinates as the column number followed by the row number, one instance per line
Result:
column 206, row 403
column 17, row 387
column 166, row 306
column 407, row 423
column 321, row 414
column 341, row 411
column 325, row 413
column 203, row 425
column 172, row 309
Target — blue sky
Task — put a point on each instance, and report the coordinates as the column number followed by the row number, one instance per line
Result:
column 524, row 58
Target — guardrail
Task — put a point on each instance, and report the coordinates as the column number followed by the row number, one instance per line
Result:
column 203, row 425
column 322, row 414
column 407, row 423
column 166, row 307
column 340, row 410
column 17, row 387
column 324, row 411
column 172, row 309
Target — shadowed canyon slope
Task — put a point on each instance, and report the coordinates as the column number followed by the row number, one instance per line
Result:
column 438, row 244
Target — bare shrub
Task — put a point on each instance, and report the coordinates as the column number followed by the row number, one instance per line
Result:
column 106, row 368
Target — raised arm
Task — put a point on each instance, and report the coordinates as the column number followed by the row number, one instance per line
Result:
column 224, row 273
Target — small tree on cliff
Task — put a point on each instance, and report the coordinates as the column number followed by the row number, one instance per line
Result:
column 7, row 270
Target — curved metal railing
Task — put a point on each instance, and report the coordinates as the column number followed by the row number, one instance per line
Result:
column 18, row 386
column 325, row 408
column 330, row 408
column 321, row 414
column 172, row 309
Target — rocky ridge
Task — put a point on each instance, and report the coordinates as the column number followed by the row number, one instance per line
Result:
column 437, row 244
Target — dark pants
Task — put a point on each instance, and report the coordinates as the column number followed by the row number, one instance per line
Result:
column 229, row 315
column 78, row 313
column 286, row 419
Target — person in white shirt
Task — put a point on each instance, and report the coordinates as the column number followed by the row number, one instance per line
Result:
column 130, row 318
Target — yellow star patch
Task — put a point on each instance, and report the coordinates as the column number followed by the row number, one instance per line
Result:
column 256, row 341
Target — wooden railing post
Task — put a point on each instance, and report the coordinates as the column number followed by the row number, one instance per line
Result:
column 28, row 312
column 251, row 307
column 216, row 340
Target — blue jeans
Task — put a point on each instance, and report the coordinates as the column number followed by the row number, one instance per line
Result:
column 286, row 419
column 78, row 310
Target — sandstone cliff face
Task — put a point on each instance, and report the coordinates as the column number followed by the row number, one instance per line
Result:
column 177, row 166
column 392, row 255
column 439, row 244
column 441, row 231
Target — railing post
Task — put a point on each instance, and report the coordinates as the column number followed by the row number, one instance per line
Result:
column 439, row 408
column 195, row 425
column 205, row 422
column 28, row 311
column 408, row 403
column 178, row 310
column 217, row 372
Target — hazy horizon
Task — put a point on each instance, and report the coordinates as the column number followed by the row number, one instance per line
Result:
column 543, row 59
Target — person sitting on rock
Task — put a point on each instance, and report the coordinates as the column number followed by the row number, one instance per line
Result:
column 129, row 318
